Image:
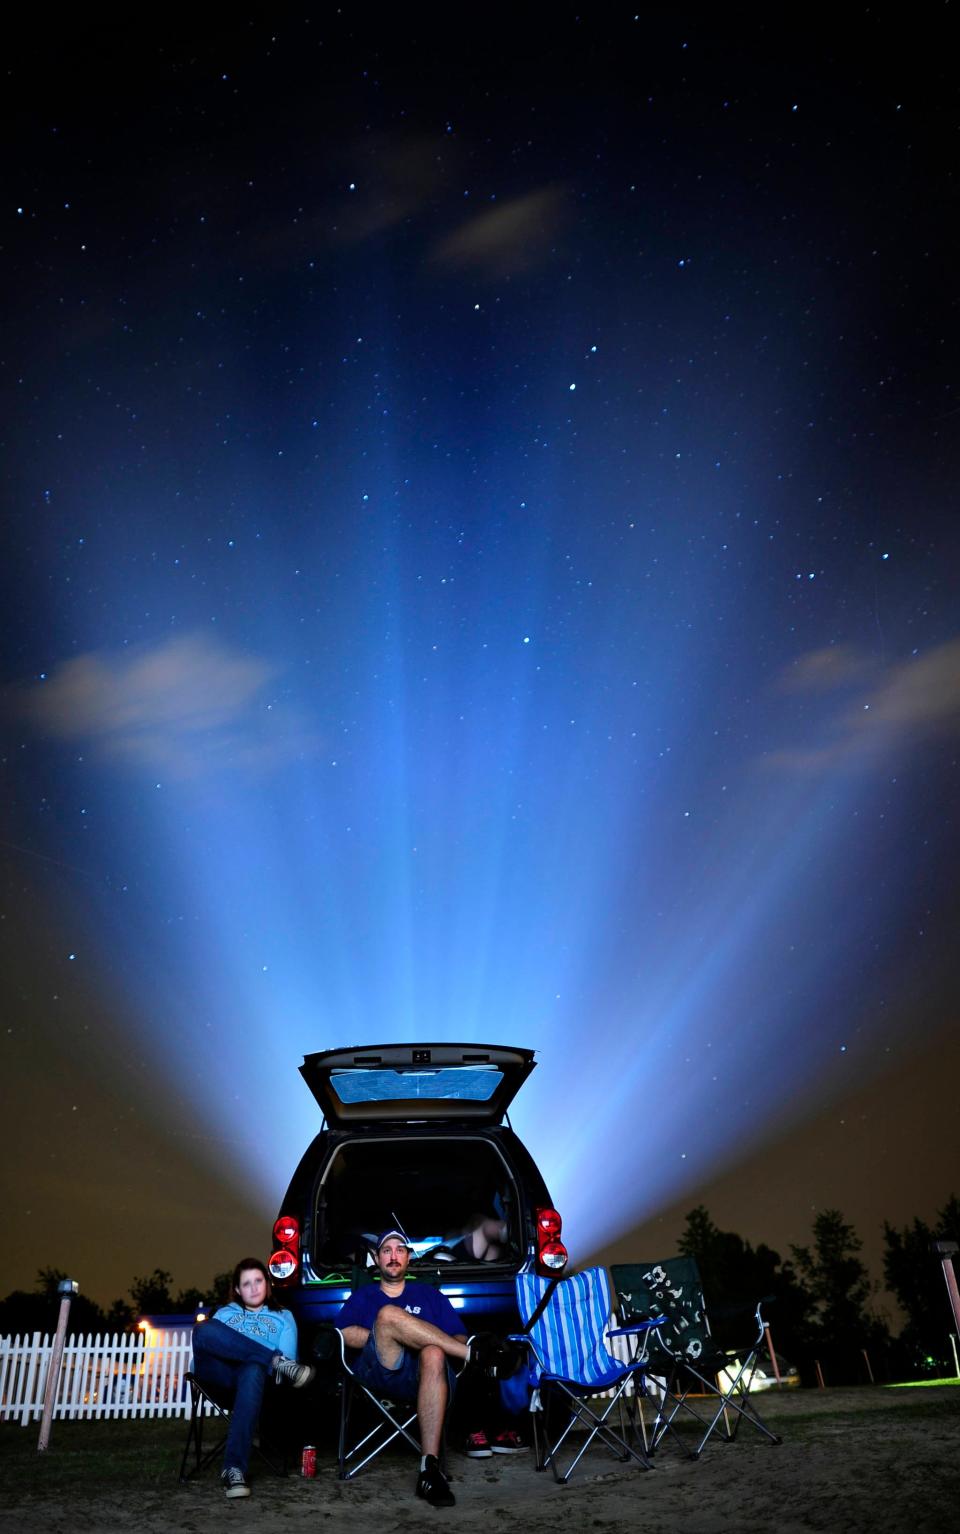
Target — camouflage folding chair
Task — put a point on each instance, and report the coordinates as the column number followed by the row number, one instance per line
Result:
column 683, row 1352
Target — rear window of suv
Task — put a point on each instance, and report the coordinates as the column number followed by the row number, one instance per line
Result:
column 458, row 1083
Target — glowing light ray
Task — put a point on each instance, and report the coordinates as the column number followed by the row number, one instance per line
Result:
column 320, row 896
column 657, row 1071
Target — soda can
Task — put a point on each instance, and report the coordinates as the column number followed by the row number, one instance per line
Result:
column 308, row 1461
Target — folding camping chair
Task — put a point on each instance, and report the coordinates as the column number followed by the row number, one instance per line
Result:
column 566, row 1338
column 202, row 1396
column 392, row 1420
column 684, row 1352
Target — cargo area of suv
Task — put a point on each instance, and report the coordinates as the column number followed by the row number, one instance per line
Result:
column 432, row 1186
column 417, row 1137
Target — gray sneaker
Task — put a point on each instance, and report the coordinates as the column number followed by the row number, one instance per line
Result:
column 293, row 1373
column 234, row 1482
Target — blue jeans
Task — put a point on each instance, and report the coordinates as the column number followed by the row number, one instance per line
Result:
column 237, row 1367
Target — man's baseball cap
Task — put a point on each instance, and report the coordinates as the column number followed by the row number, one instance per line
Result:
column 393, row 1235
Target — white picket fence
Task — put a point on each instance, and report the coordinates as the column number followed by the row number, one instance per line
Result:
column 126, row 1375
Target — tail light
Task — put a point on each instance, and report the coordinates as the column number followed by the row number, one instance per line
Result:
column 551, row 1252
column 285, row 1261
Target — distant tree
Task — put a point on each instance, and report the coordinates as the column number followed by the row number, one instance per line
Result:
column 838, row 1285
column 189, row 1301
column 37, row 1311
column 836, row 1279
column 220, row 1288
column 120, row 1316
column 948, row 1220
column 50, row 1279
column 731, row 1269
column 24, row 1312
column 734, row 1272
column 208, row 1299
column 151, row 1296
column 914, row 1274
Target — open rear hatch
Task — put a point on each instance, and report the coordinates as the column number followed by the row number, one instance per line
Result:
column 410, row 1083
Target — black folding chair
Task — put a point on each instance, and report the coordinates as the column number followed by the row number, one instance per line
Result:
column 391, row 1420
column 683, row 1351
column 202, row 1396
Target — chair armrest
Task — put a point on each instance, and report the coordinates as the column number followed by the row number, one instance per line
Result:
column 329, row 1348
column 728, row 1310
column 636, row 1328
column 731, row 1322
column 528, row 1342
column 327, row 1343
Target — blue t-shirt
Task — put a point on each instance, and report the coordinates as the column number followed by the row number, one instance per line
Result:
column 276, row 1329
column 419, row 1299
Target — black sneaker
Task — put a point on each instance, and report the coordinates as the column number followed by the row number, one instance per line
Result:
column 478, row 1446
column 234, row 1482
column 511, row 1358
column 433, row 1486
column 486, row 1352
column 326, row 1343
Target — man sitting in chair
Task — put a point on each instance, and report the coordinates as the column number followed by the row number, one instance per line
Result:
column 406, row 1334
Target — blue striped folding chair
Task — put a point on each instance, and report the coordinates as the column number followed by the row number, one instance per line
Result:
column 576, row 1369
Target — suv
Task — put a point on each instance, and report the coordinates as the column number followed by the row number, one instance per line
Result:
column 415, row 1137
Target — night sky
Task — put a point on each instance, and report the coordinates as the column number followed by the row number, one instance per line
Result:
column 479, row 561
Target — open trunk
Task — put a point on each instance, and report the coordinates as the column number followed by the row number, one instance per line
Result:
column 433, row 1188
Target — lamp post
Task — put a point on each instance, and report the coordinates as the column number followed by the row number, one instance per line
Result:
column 66, row 1289
column 945, row 1250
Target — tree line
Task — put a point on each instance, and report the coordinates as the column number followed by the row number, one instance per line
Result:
column 25, row 1311
column 822, row 1302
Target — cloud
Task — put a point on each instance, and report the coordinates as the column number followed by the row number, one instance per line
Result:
column 824, row 670
column 908, row 703
column 385, row 181
column 512, row 237
column 184, row 707
column 922, row 695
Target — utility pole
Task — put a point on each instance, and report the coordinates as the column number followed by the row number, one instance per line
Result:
column 946, row 1250
column 66, row 1289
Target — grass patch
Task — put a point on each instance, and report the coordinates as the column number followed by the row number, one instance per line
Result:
column 921, row 1384
column 91, row 1456
column 922, row 1411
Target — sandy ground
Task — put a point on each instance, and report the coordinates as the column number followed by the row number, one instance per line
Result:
column 879, row 1459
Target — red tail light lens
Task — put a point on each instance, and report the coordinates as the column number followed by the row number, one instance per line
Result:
column 553, row 1255
column 286, row 1259
column 282, row 1265
column 551, row 1252
column 549, row 1225
column 286, row 1230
